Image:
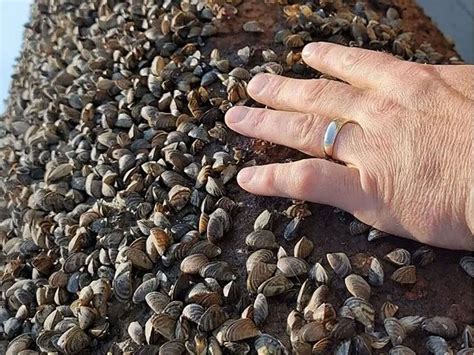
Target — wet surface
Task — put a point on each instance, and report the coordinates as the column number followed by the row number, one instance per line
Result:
column 442, row 287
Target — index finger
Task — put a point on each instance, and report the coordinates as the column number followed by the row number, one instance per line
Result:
column 360, row 67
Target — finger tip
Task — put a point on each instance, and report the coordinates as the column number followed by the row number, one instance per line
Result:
column 257, row 84
column 310, row 49
column 244, row 176
column 234, row 115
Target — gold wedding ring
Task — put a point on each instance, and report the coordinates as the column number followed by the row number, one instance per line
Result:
column 331, row 134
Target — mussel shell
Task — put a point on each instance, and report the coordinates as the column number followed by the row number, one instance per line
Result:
column 261, row 255
column 467, row 264
column 276, row 285
column 363, row 311
column 212, row 318
column 219, row 270
column 405, row 275
column 399, row 257
column 261, row 239
column 401, row 350
column 260, row 273
column 193, row 263
column 291, row 266
column 395, row 330
column 442, row 326
column 312, row 332
column 357, row 286
column 260, row 309
column 376, row 273
column 241, row 329
column 172, row 347
column 340, row 263
column 73, row 340
column 303, row 248
column 263, row 221
column 265, row 344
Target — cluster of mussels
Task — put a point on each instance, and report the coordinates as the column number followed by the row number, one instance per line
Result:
column 114, row 170
column 314, row 326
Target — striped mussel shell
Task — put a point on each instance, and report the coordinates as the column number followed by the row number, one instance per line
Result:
column 312, row 332
column 261, row 239
column 19, row 344
column 172, row 347
column 319, row 274
column 442, row 326
column 388, row 310
column 145, row 288
column 263, row 221
column 340, row 263
column 219, row 270
column 232, row 292
column 363, row 311
column 318, row 297
column 173, row 309
column 395, row 330
column 205, row 247
column 401, row 350
column 212, row 318
column 405, row 275
column 122, row 282
column 241, row 329
column 73, row 340
column 376, row 273
column 267, row 344
column 219, row 223
column 291, row 266
column 260, row 309
column 357, row 227
column 438, row 345
column 322, row 346
column 357, row 286
column 193, row 312
column 193, row 263
column 399, row 257
column 275, row 285
column 261, row 255
column 164, row 324
column 304, row 295
column 160, row 239
column 259, row 273
column 303, row 248
column 467, row 264
column 344, row 328
column 157, row 301
column 411, row 323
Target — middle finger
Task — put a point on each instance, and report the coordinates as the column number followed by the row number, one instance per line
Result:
column 322, row 96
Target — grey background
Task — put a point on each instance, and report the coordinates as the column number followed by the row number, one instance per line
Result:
column 455, row 18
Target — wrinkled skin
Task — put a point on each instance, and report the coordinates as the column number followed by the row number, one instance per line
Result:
column 407, row 157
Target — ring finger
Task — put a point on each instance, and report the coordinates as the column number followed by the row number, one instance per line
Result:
column 302, row 131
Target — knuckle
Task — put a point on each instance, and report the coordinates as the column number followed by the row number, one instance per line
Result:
column 382, row 106
column 303, row 180
column 276, row 89
column 315, row 91
column 267, row 179
column 352, row 61
column 306, row 131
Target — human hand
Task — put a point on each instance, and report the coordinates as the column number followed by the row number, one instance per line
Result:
column 408, row 155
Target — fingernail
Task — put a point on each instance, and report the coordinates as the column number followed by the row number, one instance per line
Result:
column 309, row 49
column 245, row 175
column 257, row 84
column 236, row 114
